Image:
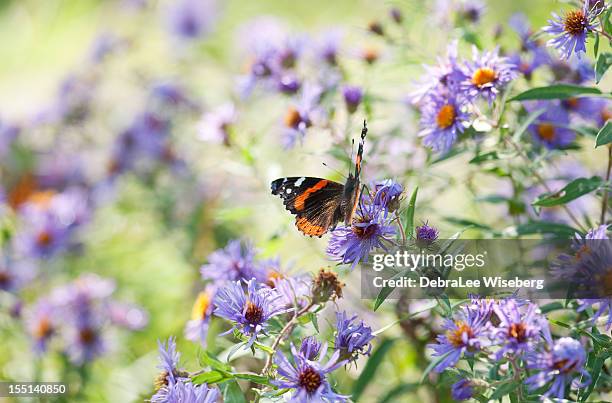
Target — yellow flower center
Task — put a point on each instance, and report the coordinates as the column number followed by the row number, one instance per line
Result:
column 201, row 305
column 292, row 117
column 456, row 336
column 273, row 275
column 546, row 131
column 575, row 22
column 446, row 116
column 483, row 75
column 518, row 331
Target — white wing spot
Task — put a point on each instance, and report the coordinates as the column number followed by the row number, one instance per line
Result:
column 288, row 190
column 299, row 181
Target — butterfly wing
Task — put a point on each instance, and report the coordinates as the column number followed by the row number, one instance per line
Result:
column 317, row 203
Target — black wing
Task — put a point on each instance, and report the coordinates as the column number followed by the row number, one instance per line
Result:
column 316, row 202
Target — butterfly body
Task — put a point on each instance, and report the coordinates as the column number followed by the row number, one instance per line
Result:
column 320, row 204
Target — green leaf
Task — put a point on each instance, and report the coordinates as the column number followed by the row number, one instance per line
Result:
column 432, row 365
column 490, row 156
column 386, row 291
column 596, row 365
column 402, row 389
column 214, row 363
column 546, row 227
column 605, row 135
column 410, row 213
column 467, row 223
column 596, row 45
column 210, row 377
column 601, row 66
column 557, row 91
column 553, row 306
column 503, row 390
column 232, row 393
column 368, row 373
column 247, row 376
column 573, row 190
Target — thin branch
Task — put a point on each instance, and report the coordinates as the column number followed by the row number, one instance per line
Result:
column 604, row 203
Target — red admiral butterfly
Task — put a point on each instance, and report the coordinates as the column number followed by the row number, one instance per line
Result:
column 319, row 204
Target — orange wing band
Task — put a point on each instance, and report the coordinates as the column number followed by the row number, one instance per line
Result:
column 309, row 228
column 298, row 204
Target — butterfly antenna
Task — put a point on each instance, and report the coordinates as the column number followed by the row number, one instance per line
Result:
column 335, row 170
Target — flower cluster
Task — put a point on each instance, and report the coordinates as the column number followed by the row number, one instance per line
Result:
column 512, row 331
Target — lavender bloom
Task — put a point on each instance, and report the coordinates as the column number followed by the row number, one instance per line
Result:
column 586, row 108
column 15, row 274
column 370, row 229
column 387, row 194
column 561, row 365
column 443, row 78
column 250, row 310
column 327, row 47
column 527, row 63
column 464, row 336
column 426, row 235
column 43, row 235
column 352, row 339
column 310, row 348
column 234, row 262
column 187, row 392
column 570, row 31
column 519, row 23
column 191, row 19
column 308, row 377
column 462, row 389
column 442, row 120
column 472, row 10
column 352, row 97
column 41, row 323
column 215, row 126
column 288, row 83
column 171, row 375
column 519, row 329
column 128, row 316
column 104, row 45
column 486, row 75
column 547, row 130
column 197, row 328
column 299, row 117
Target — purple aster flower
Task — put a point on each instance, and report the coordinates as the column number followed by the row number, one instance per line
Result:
column 352, row 97
column 288, row 83
column 443, row 119
column 486, row 75
column 519, row 23
column 559, row 366
column 168, row 93
column 42, row 324
column 327, row 47
column 387, row 194
column 15, row 274
column 308, row 377
column 527, row 63
column 426, row 235
column 187, row 392
column 463, row 389
column 520, row 328
column 104, row 45
column 197, row 328
column 191, row 19
column 464, row 336
column 215, row 125
column 250, row 310
column 548, row 129
column 570, row 30
column 443, row 78
column 42, row 235
column 170, row 374
column 586, row 108
column 299, row 117
column 370, row 229
column 234, row 262
column 472, row 10
column 310, row 348
column 352, row 338
column 396, row 15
